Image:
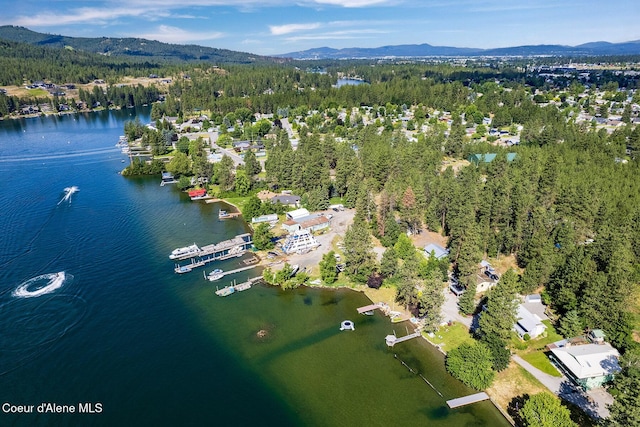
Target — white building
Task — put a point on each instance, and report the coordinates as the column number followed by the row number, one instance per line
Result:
column 299, row 241
column 528, row 323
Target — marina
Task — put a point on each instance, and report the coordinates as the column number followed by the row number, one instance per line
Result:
column 201, row 256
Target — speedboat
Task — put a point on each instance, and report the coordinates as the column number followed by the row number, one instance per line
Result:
column 185, row 251
column 216, row 274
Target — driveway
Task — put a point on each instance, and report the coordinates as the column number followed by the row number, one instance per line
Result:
column 450, row 311
column 593, row 402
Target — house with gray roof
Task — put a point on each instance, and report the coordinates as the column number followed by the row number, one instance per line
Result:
column 587, row 365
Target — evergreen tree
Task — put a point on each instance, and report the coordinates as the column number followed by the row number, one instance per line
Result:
column 500, row 316
column 358, row 251
column 328, row 271
column 262, row 237
column 467, row 301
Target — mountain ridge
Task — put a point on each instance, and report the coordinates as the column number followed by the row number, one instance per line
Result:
column 130, row 47
column 425, row 50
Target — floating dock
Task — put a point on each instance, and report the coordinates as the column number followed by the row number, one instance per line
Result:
column 235, row 247
column 467, row 400
column 228, row 290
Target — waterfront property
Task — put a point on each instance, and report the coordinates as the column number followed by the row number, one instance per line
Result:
column 312, row 222
column 588, row 365
column 299, row 241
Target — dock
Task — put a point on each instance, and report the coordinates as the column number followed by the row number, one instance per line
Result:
column 467, row 400
column 392, row 340
column 238, row 270
column 228, row 290
column 235, row 247
column 368, row 308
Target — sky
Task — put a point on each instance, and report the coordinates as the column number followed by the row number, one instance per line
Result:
column 269, row 27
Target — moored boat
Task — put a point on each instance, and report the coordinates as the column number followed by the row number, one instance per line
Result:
column 216, row 274
column 226, row 291
column 191, row 250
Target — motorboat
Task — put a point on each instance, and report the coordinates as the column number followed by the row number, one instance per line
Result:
column 216, row 274
column 184, row 252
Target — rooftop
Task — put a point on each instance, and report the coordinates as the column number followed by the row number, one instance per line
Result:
column 589, row 360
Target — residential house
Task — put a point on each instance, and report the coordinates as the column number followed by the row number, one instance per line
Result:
column 288, row 200
column 528, row 323
column 587, row 365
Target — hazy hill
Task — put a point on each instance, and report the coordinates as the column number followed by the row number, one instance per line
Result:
column 131, row 47
column 423, row 50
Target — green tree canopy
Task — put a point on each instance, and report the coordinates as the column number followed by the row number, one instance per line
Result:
column 545, row 410
column 471, row 364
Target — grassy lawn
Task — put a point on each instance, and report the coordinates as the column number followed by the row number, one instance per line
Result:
column 540, row 360
column 533, row 351
column 450, row 337
column 513, row 381
column 38, row 92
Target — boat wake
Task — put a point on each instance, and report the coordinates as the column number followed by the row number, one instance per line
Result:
column 31, row 326
column 68, row 192
column 34, row 288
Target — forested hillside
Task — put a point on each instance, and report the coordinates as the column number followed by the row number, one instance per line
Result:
column 150, row 50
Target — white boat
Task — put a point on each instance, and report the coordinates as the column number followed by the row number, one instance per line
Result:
column 216, row 274
column 186, row 251
column 182, row 269
column 223, row 214
column 226, row 291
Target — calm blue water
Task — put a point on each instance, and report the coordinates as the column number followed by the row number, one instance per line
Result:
column 352, row 82
column 158, row 349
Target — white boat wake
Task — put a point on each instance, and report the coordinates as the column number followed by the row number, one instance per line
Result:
column 68, row 192
column 55, row 281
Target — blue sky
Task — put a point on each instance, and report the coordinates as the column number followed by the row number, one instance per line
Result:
column 280, row 26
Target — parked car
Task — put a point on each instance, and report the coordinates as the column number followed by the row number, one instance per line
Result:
column 491, row 275
column 456, row 288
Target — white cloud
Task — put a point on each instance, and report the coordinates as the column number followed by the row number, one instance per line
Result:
column 168, row 34
column 81, row 15
column 279, row 30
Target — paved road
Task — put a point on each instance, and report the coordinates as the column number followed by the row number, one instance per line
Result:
column 237, row 160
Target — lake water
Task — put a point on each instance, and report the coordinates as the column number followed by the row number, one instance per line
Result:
column 350, row 82
column 159, row 349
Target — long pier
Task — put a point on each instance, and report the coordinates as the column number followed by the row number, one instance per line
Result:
column 238, row 270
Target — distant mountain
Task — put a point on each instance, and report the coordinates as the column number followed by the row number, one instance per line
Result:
column 423, row 50
column 130, row 47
